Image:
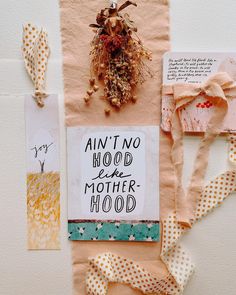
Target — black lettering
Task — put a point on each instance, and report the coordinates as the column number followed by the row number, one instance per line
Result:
column 130, row 204
column 107, row 158
column 100, row 187
column 131, row 185
column 123, row 186
column 128, row 159
column 126, row 144
column 119, row 204
column 115, row 141
column 107, row 203
column 95, row 203
column 101, row 143
column 137, row 142
column 108, row 186
column 117, row 158
column 116, row 186
column 88, row 145
column 89, row 186
column 96, row 159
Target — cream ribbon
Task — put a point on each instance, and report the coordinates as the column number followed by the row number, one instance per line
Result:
column 218, row 89
column 107, row 268
column 36, row 52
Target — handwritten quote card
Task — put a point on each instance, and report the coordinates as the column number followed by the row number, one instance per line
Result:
column 113, row 183
column 190, row 67
column 43, row 176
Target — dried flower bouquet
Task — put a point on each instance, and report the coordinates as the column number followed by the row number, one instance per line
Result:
column 117, row 57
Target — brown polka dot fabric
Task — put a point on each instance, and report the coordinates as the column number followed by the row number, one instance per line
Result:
column 215, row 193
column 232, row 148
column 36, row 53
column 110, row 267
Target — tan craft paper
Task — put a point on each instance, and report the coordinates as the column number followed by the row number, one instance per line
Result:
column 151, row 18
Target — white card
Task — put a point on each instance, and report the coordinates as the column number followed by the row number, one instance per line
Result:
column 113, row 173
column 192, row 68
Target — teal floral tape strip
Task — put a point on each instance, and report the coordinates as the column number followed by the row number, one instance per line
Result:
column 114, row 231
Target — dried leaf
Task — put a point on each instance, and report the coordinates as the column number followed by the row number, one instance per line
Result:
column 94, row 26
column 129, row 22
column 126, row 4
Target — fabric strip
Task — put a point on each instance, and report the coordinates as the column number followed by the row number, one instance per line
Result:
column 232, row 148
column 113, row 230
column 152, row 20
column 36, row 53
column 218, row 89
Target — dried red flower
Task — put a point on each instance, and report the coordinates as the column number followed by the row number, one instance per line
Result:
column 112, row 43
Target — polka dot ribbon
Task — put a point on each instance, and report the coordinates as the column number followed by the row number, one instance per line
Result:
column 219, row 89
column 110, row 267
column 36, row 53
column 232, row 148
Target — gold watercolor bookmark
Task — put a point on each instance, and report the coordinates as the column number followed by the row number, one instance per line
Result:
column 42, row 147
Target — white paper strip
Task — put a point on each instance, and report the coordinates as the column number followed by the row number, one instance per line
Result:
column 43, row 176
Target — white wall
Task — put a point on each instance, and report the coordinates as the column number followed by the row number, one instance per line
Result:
column 195, row 25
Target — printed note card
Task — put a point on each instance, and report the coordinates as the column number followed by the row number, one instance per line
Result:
column 196, row 68
column 113, row 183
column 43, row 176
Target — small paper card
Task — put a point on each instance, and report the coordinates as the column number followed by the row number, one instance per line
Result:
column 113, row 183
column 43, row 176
column 196, row 68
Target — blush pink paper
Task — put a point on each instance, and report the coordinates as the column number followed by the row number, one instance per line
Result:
column 151, row 18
